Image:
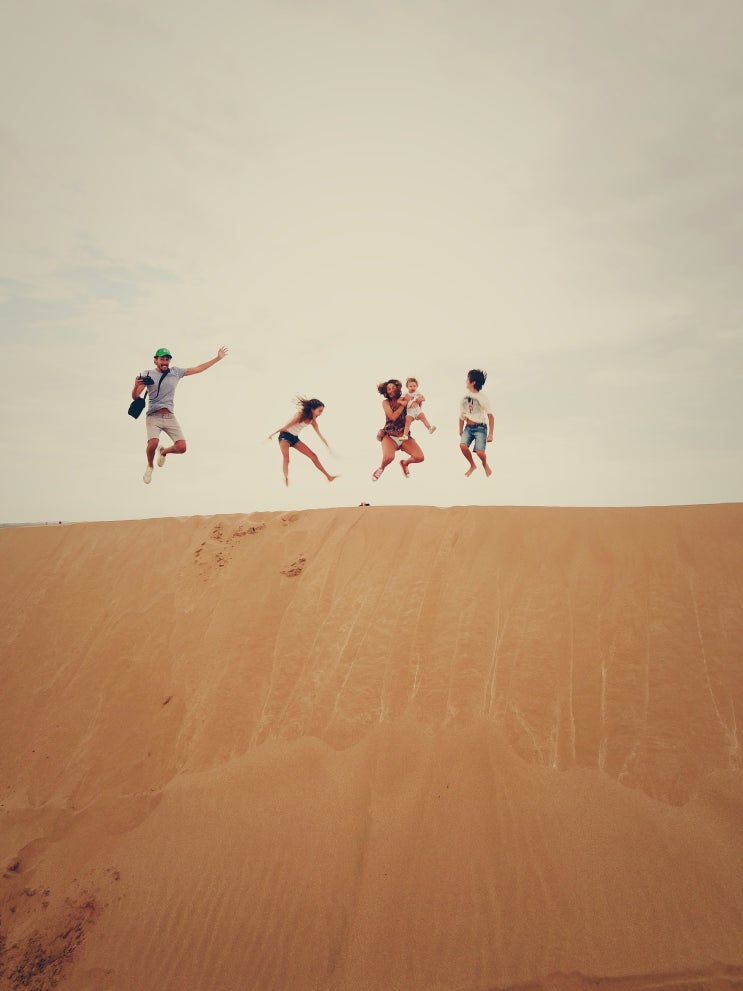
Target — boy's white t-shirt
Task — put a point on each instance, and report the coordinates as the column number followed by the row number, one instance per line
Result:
column 475, row 406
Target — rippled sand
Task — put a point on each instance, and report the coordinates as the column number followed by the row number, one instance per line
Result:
column 367, row 749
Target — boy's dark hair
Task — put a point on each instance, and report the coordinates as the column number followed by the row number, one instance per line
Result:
column 477, row 377
column 382, row 387
column 307, row 405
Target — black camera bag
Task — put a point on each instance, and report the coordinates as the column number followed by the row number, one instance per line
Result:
column 137, row 405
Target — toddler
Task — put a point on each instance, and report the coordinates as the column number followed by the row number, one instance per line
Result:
column 414, row 411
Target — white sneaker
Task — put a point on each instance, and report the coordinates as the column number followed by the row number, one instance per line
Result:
column 147, row 477
column 161, row 459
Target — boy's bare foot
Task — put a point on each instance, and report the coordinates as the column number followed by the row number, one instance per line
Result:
column 405, row 468
column 469, row 471
column 286, row 481
column 332, row 478
column 488, row 470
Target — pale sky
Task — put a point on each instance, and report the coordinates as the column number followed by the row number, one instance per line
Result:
column 346, row 192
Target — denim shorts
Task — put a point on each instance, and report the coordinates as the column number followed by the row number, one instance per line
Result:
column 476, row 432
column 291, row 438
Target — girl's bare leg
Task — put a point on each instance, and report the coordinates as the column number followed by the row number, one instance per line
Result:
column 309, row 453
column 415, row 454
column 389, row 450
column 285, row 445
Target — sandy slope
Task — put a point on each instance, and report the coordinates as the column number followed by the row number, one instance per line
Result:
column 374, row 748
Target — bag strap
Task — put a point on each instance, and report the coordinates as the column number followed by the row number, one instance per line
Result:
column 161, row 382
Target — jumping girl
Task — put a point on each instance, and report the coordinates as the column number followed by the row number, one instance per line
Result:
column 309, row 411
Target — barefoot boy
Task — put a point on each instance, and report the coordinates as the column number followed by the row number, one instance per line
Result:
column 474, row 414
column 414, row 411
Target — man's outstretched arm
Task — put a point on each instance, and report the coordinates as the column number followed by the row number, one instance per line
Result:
column 207, row 364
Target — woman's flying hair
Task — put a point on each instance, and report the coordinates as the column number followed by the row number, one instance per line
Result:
column 305, row 406
column 382, row 387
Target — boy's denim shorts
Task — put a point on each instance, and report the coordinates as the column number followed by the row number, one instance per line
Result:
column 476, row 432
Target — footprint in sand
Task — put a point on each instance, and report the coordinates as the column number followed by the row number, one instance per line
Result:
column 247, row 528
column 207, row 555
column 295, row 568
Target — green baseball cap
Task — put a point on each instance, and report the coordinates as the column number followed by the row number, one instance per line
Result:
column 163, row 353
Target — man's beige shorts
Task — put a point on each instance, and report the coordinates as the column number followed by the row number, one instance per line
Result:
column 164, row 421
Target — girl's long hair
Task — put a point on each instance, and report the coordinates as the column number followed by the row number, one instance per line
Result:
column 382, row 388
column 305, row 406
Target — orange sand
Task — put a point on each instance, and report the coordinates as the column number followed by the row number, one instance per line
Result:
column 371, row 749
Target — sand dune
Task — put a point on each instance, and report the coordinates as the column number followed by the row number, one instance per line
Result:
column 458, row 749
